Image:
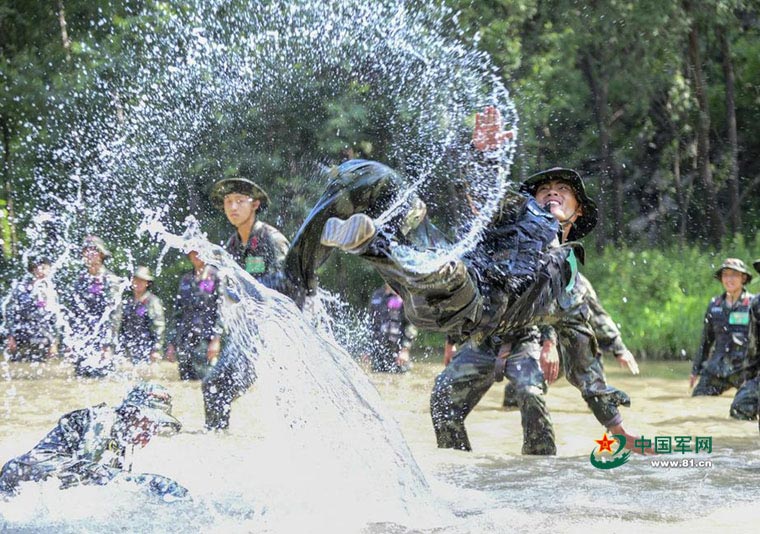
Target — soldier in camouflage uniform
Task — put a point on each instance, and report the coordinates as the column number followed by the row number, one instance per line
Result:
column 197, row 325
column 143, row 325
column 515, row 277
column 95, row 311
column 90, row 446
column 722, row 360
column 31, row 315
column 392, row 333
column 260, row 249
column 746, row 405
column 608, row 336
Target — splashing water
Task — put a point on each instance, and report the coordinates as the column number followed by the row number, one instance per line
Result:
column 323, row 418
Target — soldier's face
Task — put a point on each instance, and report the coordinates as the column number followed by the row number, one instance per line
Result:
column 559, row 198
column 732, row 280
column 139, row 286
column 41, row 271
column 195, row 259
column 92, row 257
column 240, row 208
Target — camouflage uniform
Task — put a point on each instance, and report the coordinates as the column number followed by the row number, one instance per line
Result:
column 96, row 313
column 89, row 447
column 196, row 321
column 391, row 332
column 745, row 405
column 721, row 362
column 262, row 257
column 31, row 319
column 516, row 277
column 608, row 336
column 142, row 328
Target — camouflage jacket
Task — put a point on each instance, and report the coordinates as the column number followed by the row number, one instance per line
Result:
column 196, row 307
column 83, row 447
column 30, row 314
column 96, row 307
column 390, row 327
column 583, row 303
column 263, row 256
column 753, row 354
column 143, row 325
column 725, row 337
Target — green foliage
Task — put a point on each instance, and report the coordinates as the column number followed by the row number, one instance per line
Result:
column 658, row 297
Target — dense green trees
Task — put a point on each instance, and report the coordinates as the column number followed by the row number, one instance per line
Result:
column 657, row 103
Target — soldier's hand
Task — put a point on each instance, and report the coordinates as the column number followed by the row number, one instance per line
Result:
column 402, row 358
column 449, row 350
column 627, row 361
column 214, row 346
column 549, row 361
column 171, row 353
column 692, row 381
column 489, row 131
column 10, row 344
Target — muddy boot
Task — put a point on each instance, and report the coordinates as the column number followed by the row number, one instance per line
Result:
column 357, row 186
column 350, row 235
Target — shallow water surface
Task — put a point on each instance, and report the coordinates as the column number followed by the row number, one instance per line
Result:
column 492, row 489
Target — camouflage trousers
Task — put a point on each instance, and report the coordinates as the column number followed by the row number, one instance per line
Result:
column 192, row 362
column 232, row 375
column 460, row 386
column 712, row 385
column 746, row 403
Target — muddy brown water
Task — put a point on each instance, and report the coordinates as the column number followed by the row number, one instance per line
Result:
column 492, row 489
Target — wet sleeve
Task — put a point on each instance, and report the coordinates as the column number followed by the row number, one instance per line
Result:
column 753, row 353
column 547, row 333
column 280, row 247
column 606, row 331
column 708, row 339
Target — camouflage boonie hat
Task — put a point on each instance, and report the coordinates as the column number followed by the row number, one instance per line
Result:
column 735, row 264
column 143, row 273
column 153, row 402
column 587, row 221
column 239, row 185
column 93, row 241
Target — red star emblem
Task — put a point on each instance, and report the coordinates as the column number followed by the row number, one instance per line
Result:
column 605, row 444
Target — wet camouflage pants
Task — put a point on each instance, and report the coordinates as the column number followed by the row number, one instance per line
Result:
column 745, row 405
column 711, row 385
column 468, row 377
column 232, row 375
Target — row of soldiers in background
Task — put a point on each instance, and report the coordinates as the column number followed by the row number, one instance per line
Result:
column 102, row 323
column 729, row 354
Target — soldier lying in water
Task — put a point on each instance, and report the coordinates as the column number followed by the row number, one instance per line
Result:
column 89, row 446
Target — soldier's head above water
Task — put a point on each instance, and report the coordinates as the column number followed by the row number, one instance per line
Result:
column 563, row 192
column 145, row 412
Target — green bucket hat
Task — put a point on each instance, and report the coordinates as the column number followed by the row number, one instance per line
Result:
column 586, row 222
column 93, row 241
column 143, row 273
column 736, row 265
column 239, row 185
column 153, row 402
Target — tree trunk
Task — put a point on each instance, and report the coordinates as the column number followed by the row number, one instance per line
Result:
column 7, row 186
column 713, row 220
column 611, row 203
column 734, row 211
column 64, row 33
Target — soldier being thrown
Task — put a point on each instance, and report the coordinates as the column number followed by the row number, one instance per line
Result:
column 514, row 278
